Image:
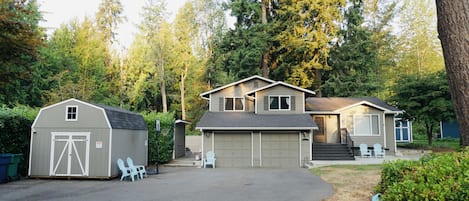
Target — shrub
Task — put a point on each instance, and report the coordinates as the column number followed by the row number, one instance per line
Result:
column 165, row 137
column 15, row 133
column 436, row 177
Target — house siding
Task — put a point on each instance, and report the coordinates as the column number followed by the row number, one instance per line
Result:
column 296, row 108
column 390, row 133
column 125, row 142
column 239, row 90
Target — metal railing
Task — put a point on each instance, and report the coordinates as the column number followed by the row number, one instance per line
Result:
column 345, row 138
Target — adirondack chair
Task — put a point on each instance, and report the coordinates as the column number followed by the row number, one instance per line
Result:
column 210, row 159
column 126, row 172
column 364, row 150
column 378, row 149
column 139, row 168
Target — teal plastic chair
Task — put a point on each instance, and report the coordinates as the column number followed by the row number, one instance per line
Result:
column 210, row 159
column 364, row 150
column 378, row 149
column 126, row 172
column 139, row 168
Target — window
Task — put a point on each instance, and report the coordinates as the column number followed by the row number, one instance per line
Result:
column 366, row 125
column 234, row 104
column 279, row 102
column 71, row 113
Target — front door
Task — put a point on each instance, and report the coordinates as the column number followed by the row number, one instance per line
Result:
column 319, row 136
column 69, row 154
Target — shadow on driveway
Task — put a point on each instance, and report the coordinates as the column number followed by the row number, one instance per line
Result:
column 180, row 184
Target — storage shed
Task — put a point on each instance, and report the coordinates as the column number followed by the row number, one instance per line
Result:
column 74, row 138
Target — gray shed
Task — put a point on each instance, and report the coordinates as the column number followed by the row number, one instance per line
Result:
column 179, row 138
column 74, row 138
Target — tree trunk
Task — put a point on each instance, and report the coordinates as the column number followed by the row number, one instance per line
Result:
column 429, row 129
column 163, row 89
column 265, row 56
column 183, row 93
column 453, row 29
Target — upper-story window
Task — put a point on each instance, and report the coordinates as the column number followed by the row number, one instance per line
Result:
column 71, row 113
column 234, row 104
column 279, row 103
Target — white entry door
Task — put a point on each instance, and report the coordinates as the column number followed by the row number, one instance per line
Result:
column 69, row 154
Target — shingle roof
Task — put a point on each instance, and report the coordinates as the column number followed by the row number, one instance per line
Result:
column 248, row 120
column 335, row 103
column 123, row 119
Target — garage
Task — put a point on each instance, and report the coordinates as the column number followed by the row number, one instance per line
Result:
column 280, row 149
column 233, row 149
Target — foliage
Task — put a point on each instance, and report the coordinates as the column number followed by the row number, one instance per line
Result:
column 436, row 177
column 165, row 137
column 438, row 144
column 424, row 99
column 15, row 132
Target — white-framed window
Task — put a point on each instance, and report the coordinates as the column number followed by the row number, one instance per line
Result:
column 279, row 103
column 366, row 125
column 234, row 104
column 71, row 113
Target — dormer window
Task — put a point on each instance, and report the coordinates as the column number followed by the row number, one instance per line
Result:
column 71, row 113
column 234, row 104
column 279, row 103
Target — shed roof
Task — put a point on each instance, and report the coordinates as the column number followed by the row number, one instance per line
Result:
column 123, row 119
column 251, row 121
column 336, row 104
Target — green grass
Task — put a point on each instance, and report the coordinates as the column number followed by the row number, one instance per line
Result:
column 322, row 170
column 437, row 144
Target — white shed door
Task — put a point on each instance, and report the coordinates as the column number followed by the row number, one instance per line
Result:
column 69, row 154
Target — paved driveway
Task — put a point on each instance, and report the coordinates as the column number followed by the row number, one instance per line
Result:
column 180, row 184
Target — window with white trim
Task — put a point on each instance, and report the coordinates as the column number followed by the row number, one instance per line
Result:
column 71, row 113
column 366, row 125
column 234, row 104
column 279, row 103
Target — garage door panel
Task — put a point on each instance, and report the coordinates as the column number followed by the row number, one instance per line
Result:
column 233, row 149
column 280, row 150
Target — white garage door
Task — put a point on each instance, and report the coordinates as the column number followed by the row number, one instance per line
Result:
column 233, row 149
column 280, row 150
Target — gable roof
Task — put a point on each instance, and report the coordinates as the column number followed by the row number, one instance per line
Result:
column 251, row 121
column 337, row 104
column 203, row 95
column 283, row 84
column 123, row 119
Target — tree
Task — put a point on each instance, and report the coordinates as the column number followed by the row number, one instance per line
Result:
column 108, row 17
column 307, row 27
column 425, row 99
column 453, row 18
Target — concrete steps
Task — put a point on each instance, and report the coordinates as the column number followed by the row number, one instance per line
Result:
column 332, row 152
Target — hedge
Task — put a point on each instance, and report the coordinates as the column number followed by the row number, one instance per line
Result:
column 165, row 137
column 15, row 133
column 435, row 177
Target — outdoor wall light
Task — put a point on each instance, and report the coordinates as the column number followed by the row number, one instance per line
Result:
column 207, row 134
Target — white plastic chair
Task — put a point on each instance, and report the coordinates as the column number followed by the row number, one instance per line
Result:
column 364, row 150
column 378, row 149
column 139, row 168
column 210, row 159
column 126, row 172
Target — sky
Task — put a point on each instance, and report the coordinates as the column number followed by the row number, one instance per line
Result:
column 57, row 12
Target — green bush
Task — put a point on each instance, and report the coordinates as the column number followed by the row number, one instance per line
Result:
column 436, row 177
column 15, row 133
column 165, row 137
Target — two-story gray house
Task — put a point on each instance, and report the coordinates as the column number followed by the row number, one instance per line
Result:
column 258, row 122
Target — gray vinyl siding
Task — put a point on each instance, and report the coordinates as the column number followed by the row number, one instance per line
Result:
column 305, row 148
column 179, row 140
column 54, row 117
column 207, row 139
column 295, row 108
column 125, row 142
column 216, row 99
column 390, row 134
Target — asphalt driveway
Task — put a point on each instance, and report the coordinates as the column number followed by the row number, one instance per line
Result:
column 180, row 184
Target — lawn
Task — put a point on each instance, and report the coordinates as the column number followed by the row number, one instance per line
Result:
column 437, row 145
column 350, row 182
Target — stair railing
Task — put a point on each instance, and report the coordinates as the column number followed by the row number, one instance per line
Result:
column 345, row 138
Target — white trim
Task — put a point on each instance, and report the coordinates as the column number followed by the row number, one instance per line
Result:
column 213, row 141
column 258, row 128
column 260, row 149
column 371, row 124
column 280, row 83
column 243, row 102
column 384, row 130
column 322, row 112
column 394, row 130
column 209, row 102
column 182, row 121
column 235, row 83
column 69, row 145
column 369, row 104
column 110, row 152
column 299, row 141
column 441, row 130
column 280, row 103
column 30, row 151
column 202, row 151
column 252, row 149
column 304, row 102
column 66, row 112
